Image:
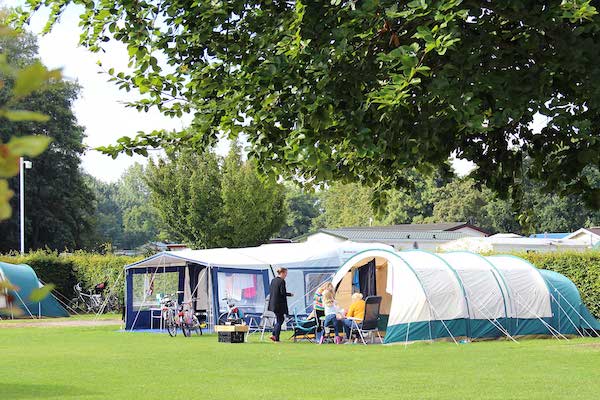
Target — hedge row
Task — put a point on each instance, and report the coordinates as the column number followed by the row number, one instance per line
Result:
column 583, row 268
column 65, row 270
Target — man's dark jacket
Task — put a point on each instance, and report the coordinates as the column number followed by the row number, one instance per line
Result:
column 278, row 296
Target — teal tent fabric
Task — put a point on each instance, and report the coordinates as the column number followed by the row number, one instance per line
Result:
column 590, row 322
column 570, row 314
column 24, row 278
column 569, row 317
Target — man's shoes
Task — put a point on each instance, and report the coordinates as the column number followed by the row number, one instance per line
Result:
column 274, row 339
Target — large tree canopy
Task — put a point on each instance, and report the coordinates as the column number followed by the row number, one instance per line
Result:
column 58, row 203
column 364, row 90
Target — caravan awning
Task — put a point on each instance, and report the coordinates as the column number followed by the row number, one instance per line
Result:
column 289, row 255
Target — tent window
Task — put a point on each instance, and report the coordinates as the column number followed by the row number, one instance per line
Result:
column 149, row 287
column 312, row 281
column 247, row 290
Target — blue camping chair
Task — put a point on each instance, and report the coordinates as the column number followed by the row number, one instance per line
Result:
column 305, row 329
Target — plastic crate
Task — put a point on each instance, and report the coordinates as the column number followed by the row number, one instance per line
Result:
column 231, row 337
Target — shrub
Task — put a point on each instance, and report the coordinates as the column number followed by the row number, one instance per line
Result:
column 65, row 270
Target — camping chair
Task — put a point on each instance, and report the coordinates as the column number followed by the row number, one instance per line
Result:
column 304, row 328
column 267, row 320
column 266, row 323
column 369, row 324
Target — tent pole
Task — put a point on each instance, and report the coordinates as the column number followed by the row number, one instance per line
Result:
column 105, row 303
column 441, row 320
column 550, row 328
column 566, row 315
column 306, row 294
column 497, row 325
column 64, row 304
column 24, row 305
column 577, row 312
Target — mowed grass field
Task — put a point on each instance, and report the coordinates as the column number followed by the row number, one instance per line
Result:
column 101, row 363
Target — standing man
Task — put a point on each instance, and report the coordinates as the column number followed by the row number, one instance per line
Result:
column 278, row 295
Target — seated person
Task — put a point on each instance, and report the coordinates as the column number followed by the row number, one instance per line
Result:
column 333, row 316
column 356, row 312
column 318, row 299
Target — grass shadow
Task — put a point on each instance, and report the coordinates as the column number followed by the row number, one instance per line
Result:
column 23, row 391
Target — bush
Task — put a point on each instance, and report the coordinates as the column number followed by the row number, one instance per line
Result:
column 583, row 268
column 65, row 270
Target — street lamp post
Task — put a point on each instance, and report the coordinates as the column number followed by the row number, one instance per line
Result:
column 23, row 165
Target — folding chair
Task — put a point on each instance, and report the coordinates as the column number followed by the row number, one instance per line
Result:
column 304, row 328
column 267, row 321
column 369, row 324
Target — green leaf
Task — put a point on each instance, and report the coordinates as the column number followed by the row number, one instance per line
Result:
column 24, row 115
column 5, row 195
column 41, row 293
column 31, row 146
column 31, row 78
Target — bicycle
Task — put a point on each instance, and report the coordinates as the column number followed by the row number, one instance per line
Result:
column 233, row 315
column 91, row 301
column 189, row 320
column 170, row 314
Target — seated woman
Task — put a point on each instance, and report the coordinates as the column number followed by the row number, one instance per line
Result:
column 356, row 312
column 333, row 316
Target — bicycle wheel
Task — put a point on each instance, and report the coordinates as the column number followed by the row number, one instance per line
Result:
column 196, row 325
column 186, row 329
column 223, row 318
column 171, row 327
column 75, row 305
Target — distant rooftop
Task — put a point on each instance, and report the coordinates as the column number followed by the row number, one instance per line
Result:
column 433, row 227
column 389, row 235
column 594, row 229
column 550, row 235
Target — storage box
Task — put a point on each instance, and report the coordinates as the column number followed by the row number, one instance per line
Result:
column 231, row 337
column 231, row 333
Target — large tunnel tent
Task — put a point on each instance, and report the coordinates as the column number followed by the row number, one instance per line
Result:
column 458, row 295
column 207, row 277
column 17, row 302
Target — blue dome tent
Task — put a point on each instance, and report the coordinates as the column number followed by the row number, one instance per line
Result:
column 463, row 295
column 24, row 279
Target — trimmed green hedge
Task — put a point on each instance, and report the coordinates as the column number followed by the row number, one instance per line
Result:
column 65, row 270
column 583, row 268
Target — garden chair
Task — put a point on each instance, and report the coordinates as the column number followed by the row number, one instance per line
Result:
column 369, row 325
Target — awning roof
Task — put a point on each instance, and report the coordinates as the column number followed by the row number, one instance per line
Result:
column 290, row 255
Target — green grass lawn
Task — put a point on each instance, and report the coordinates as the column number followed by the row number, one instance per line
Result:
column 80, row 317
column 100, row 363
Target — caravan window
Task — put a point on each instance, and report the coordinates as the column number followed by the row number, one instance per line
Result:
column 246, row 290
column 149, row 287
column 312, row 281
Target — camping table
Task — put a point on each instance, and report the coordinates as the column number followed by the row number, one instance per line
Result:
column 232, row 333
